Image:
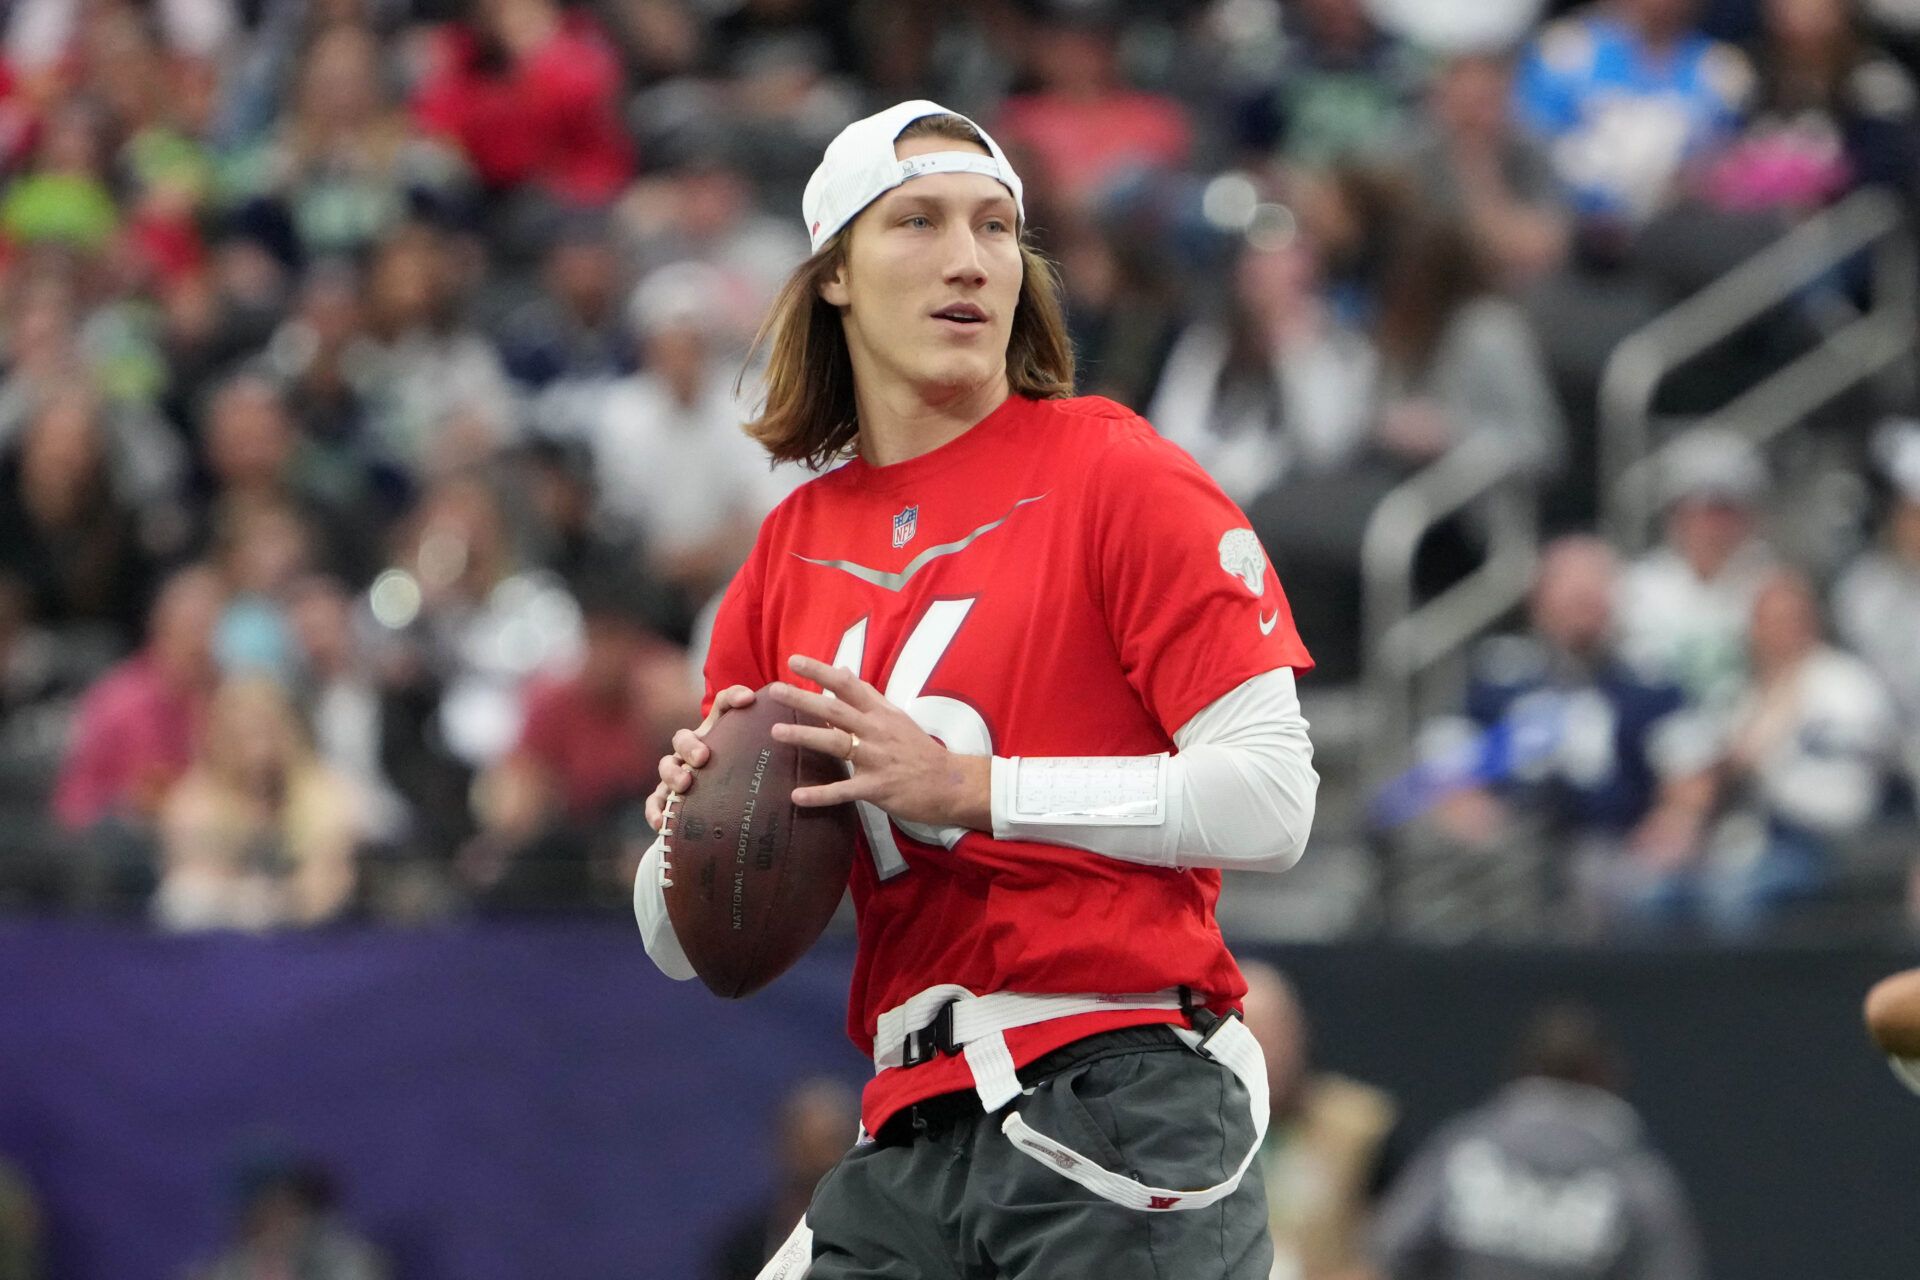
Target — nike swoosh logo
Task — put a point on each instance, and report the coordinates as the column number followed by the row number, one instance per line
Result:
column 1266, row 624
column 895, row 581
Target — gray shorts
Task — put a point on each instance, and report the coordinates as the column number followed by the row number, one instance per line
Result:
column 941, row 1194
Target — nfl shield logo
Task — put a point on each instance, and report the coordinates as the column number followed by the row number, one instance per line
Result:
column 905, row 525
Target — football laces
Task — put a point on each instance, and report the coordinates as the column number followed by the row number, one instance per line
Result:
column 666, row 835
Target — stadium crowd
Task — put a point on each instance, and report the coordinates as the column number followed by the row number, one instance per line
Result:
column 369, row 405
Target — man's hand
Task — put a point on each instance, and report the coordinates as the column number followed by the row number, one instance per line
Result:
column 690, row 752
column 896, row 764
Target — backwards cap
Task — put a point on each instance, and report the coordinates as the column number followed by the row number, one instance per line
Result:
column 860, row 167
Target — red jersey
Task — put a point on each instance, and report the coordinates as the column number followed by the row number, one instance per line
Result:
column 1058, row 581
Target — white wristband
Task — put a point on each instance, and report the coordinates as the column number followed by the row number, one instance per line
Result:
column 1119, row 791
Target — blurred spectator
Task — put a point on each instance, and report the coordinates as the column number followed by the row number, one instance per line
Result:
column 342, row 701
column 467, row 625
column 1559, row 751
column 66, row 530
column 1876, row 603
column 320, row 354
column 1628, row 94
column 132, row 737
column 562, row 529
column 53, row 356
column 257, row 833
column 256, row 456
column 262, row 548
column 530, row 92
column 757, row 23
column 1684, row 608
column 1126, row 309
column 1084, row 125
column 1832, row 113
column 1552, row 1179
column 575, row 328
column 42, row 351
column 1802, row 768
column 64, row 199
column 703, row 210
column 1341, row 90
column 157, row 105
column 1276, row 385
column 550, row 484
column 194, row 341
column 566, row 345
column 564, row 802
column 669, row 449
column 818, row 1120
column 288, row 1227
column 954, row 56
column 20, row 1227
column 138, row 727
column 344, row 163
column 1327, row 1151
column 1457, row 360
column 782, row 96
column 1472, row 167
column 42, row 33
column 658, row 39
column 251, row 276
column 42, row 675
column 436, row 393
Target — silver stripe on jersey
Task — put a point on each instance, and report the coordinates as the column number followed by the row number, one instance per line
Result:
column 896, row 581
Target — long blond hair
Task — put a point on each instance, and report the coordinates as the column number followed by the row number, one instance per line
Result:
column 810, row 415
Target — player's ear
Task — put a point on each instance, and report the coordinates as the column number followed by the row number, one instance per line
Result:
column 833, row 288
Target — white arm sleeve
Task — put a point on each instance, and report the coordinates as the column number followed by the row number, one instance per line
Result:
column 650, row 909
column 1239, row 794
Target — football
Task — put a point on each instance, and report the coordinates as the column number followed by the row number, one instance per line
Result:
column 1893, row 1014
column 751, row 880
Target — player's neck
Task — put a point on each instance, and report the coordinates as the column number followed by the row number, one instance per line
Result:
column 901, row 422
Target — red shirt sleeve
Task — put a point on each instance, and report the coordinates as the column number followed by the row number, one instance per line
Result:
column 733, row 652
column 1191, row 600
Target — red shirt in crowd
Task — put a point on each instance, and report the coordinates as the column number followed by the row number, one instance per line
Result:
column 551, row 119
column 133, row 737
column 1083, row 144
column 596, row 750
column 1058, row 581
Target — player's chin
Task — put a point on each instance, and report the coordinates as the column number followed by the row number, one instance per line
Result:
column 961, row 369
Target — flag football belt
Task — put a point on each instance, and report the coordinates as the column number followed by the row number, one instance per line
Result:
column 951, row 1019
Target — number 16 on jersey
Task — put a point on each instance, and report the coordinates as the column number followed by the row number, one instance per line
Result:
column 956, row 724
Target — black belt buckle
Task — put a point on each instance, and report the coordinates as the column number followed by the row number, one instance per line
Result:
column 1203, row 1019
column 930, row 1041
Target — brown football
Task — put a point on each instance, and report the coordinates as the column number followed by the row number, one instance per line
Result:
column 752, row 880
column 1893, row 1014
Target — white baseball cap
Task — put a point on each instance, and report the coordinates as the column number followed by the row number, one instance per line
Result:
column 860, row 167
column 1714, row 464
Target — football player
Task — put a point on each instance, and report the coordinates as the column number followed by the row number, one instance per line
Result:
column 1060, row 672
